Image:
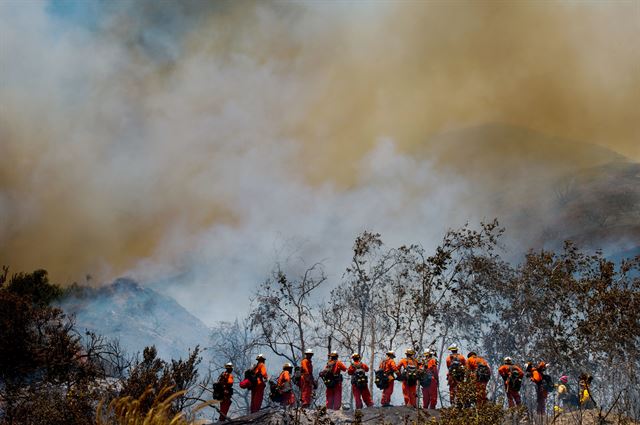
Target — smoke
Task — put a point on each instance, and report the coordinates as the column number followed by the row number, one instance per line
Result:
column 203, row 140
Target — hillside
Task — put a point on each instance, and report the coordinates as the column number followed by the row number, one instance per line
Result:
column 138, row 317
column 545, row 189
column 398, row 415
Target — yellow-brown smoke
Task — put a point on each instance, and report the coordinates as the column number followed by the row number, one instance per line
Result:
column 108, row 152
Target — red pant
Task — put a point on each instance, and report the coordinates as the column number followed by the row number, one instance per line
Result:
column 453, row 389
column 513, row 398
column 225, row 404
column 481, row 392
column 430, row 395
column 541, row 398
column 257, row 395
column 334, row 397
column 306, row 392
column 386, row 394
column 409, row 393
column 361, row 395
column 288, row 399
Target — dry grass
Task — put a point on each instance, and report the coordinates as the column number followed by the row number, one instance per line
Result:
column 127, row 411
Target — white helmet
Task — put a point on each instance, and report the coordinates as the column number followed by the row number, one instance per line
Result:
column 354, row 355
column 287, row 366
column 228, row 366
column 508, row 360
column 453, row 347
column 333, row 354
column 308, row 351
column 261, row 357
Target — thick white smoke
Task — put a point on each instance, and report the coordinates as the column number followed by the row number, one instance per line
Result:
column 198, row 142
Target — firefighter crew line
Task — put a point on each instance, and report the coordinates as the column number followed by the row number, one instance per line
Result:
column 411, row 371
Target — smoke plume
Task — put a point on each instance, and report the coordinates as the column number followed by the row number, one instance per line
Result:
column 198, row 141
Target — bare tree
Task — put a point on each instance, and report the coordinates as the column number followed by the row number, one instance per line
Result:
column 282, row 316
column 233, row 342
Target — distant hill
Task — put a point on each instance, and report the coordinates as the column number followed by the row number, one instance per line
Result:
column 137, row 316
column 545, row 189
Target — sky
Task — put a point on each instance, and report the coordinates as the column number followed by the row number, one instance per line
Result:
column 197, row 143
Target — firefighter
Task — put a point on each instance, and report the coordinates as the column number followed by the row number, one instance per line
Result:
column 535, row 374
column 512, row 376
column 307, row 383
column 285, row 387
column 389, row 367
column 334, row 389
column 566, row 398
column 408, row 370
column 480, row 373
column 455, row 372
column 429, row 380
column 585, row 399
column 257, row 391
column 358, row 372
column 225, row 381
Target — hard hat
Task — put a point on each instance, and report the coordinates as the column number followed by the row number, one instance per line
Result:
column 261, row 357
column 391, row 353
column 228, row 366
column 355, row 355
column 508, row 360
column 427, row 352
column 287, row 366
column 453, row 347
column 471, row 354
column 542, row 365
column 409, row 351
column 308, row 351
column 333, row 354
column 564, row 379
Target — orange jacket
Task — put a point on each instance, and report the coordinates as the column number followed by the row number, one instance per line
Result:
column 389, row 366
column 505, row 370
column 407, row 362
column 357, row 365
column 261, row 373
column 306, row 371
column 460, row 357
column 336, row 366
column 306, row 367
column 474, row 361
column 431, row 364
column 536, row 376
column 284, row 380
column 226, row 379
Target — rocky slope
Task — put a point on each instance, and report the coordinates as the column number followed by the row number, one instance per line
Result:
column 138, row 317
column 545, row 189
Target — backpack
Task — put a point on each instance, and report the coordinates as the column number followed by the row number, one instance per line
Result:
column 218, row 391
column 252, row 376
column 329, row 377
column 297, row 375
column 483, row 373
column 456, row 369
column 274, row 392
column 381, row 379
column 411, row 374
column 425, row 376
column 547, row 383
column 360, row 379
column 514, row 380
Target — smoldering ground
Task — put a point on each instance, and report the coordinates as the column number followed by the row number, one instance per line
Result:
column 197, row 139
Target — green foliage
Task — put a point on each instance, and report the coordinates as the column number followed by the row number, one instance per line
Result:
column 34, row 286
column 150, row 378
